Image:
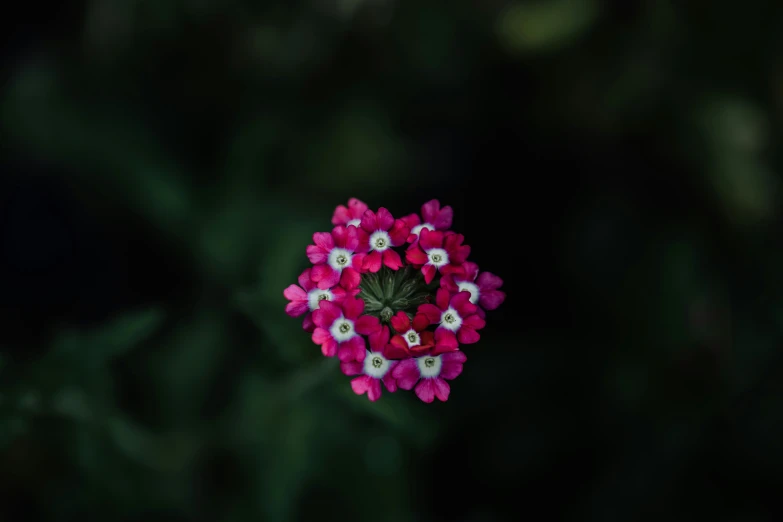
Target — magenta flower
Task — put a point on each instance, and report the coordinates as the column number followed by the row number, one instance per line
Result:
column 305, row 298
column 429, row 374
column 483, row 287
column 337, row 258
column 433, row 218
column 438, row 252
column 339, row 328
column 384, row 232
column 456, row 318
column 412, row 337
column 375, row 368
column 350, row 215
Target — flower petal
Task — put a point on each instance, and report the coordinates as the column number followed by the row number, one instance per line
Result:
column 379, row 339
column 352, row 368
column 388, row 379
column 325, row 276
column 317, row 254
column 367, row 324
column 444, row 219
column 425, row 390
column 458, row 302
column 396, row 349
column 357, row 261
column 326, row 313
column 401, row 322
column 416, row 256
column 446, row 339
column 352, row 307
column 442, row 389
column 340, row 235
column 360, row 385
column 385, row 219
column 369, row 221
column 411, row 220
column 350, row 278
column 430, row 211
column 296, row 308
column 399, row 233
column 430, row 239
column 442, row 297
column 420, row 322
column 471, row 271
column 295, row 293
column 372, row 262
column 329, row 348
column 392, row 259
column 321, row 335
column 474, row 321
column 429, row 272
column 431, row 311
column 341, row 215
column 489, row 281
column 491, row 299
column 468, row 335
column 323, row 240
column 305, row 281
column 352, row 350
column 374, row 391
column 307, row 324
column 447, row 282
column 353, row 236
column 406, row 373
column 357, row 208
column 452, row 357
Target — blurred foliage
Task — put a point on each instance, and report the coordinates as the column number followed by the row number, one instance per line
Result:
column 166, row 163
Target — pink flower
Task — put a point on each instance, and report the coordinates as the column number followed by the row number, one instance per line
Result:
column 375, row 368
column 483, row 287
column 412, row 339
column 350, row 215
column 431, row 373
column 384, row 232
column 337, row 258
column 438, row 252
column 340, row 328
column 456, row 318
column 305, row 298
column 434, row 218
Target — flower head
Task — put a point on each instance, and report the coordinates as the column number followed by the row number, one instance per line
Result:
column 483, row 287
column 456, row 318
column 375, row 368
column 350, row 215
column 429, row 374
column 337, row 257
column 339, row 328
column 384, row 232
column 438, row 252
column 433, row 218
column 306, row 297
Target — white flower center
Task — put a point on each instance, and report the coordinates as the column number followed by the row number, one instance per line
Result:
column 342, row 330
column 376, row 365
column 380, row 240
column 470, row 287
column 438, row 257
column 340, row 258
column 412, row 338
column 316, row 295
column 354, row 222
column 450, row 320
column 417, row 228
column 429, row 366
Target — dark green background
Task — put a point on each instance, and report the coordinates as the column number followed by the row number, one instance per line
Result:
column 165, row 164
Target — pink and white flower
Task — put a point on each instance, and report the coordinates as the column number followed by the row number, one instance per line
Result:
column 350, row 215
column 306, row 297
column 456, row 318
column 337, row 257
column 384, row 232
column 429, row 374
column 433, row 218
column 339, row 329
column 483, row 287
column 437, row 251
column 412, row 337
column 375, row 369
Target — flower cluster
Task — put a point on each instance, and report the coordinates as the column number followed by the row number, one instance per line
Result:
column 394, row 299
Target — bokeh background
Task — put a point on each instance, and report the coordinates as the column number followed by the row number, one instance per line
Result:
column 165, row 163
